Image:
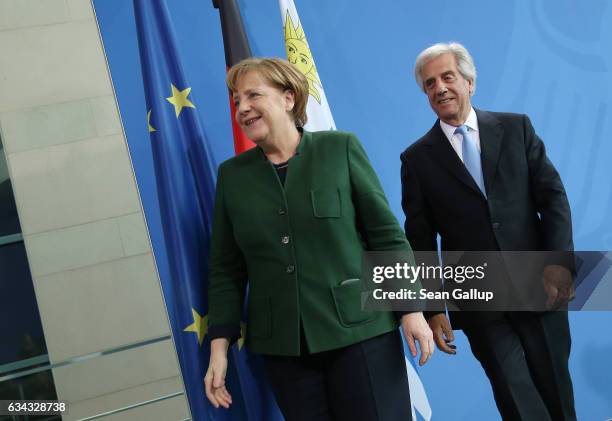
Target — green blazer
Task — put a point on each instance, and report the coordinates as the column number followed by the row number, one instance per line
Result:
column 296, row 245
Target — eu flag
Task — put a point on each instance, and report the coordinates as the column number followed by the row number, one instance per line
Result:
column 185, row 177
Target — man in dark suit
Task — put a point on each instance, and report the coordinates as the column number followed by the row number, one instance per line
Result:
column 482, row 182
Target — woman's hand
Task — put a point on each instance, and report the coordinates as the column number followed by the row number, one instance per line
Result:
column 214, row 381
column 415, row 328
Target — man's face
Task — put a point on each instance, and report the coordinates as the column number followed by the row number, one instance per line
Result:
column 448, row 91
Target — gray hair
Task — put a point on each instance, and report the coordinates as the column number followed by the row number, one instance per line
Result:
column 465, row 63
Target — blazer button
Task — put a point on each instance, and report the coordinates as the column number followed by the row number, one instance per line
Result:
column 290, row 269
column 495, row 225
column 281, row 211
column 285, row 239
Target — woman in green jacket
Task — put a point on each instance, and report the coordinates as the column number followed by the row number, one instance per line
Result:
column 293, row 217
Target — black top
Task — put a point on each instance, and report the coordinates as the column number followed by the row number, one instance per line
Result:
column 281, row 170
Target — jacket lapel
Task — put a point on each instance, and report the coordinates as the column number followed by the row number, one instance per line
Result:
column 491, row 135
column 296, row 162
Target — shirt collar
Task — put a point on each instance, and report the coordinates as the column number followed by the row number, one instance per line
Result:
column 304, row 140
column 471, row 122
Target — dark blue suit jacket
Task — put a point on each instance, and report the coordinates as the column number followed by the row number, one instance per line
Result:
column 526, row 206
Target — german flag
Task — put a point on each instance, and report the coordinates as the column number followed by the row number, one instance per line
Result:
column 236, row 46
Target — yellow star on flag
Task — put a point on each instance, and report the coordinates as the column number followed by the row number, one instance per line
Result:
column 199, row 326
column 151, row 128
column 242, row 335
column 179, row 99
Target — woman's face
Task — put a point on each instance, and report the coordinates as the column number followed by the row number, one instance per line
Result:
column 261, row 109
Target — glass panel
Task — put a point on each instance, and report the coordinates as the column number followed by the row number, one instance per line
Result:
column 22, row 334
column 9, row 223
column 22, row 346
column 37, row 386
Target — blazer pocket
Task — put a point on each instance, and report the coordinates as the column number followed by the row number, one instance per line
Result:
column 347, row 299
column 326, row 203
column 259, row 324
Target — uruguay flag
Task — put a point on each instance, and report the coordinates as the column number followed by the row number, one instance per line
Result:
column 320, row 118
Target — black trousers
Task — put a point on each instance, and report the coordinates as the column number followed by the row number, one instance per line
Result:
column 365, row 381
column 525, row 357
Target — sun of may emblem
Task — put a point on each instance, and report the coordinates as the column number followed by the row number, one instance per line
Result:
column 298, row 53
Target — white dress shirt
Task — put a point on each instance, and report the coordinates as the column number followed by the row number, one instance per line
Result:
column 455, row 139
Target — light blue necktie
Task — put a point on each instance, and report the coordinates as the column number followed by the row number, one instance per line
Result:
column 471, row 157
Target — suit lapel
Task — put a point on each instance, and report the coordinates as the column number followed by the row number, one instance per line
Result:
column 491, row 135
column 443, row 153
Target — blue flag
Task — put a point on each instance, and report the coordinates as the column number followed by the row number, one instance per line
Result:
column 185, row 177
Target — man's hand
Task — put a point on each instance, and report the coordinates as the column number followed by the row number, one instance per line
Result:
column 559, row 286
column 416, row 329
column 214, row 381
column 442, row 333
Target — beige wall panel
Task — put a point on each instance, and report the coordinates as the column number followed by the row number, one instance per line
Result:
column 101, row 307
column 80, row 9
column 20, row 13
column 75, row 247
column 72, row 184
column 48, row 125
column 174, row 409
column 116, row 372
column 51, row 64
column 124, row 398
column 133, row 234
column 106, row 115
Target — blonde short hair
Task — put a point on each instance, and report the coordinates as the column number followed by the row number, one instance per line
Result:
column 278, row 73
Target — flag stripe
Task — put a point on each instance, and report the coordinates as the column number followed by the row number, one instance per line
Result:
column 235, row 40
column 241, row 141
column 236, row 47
